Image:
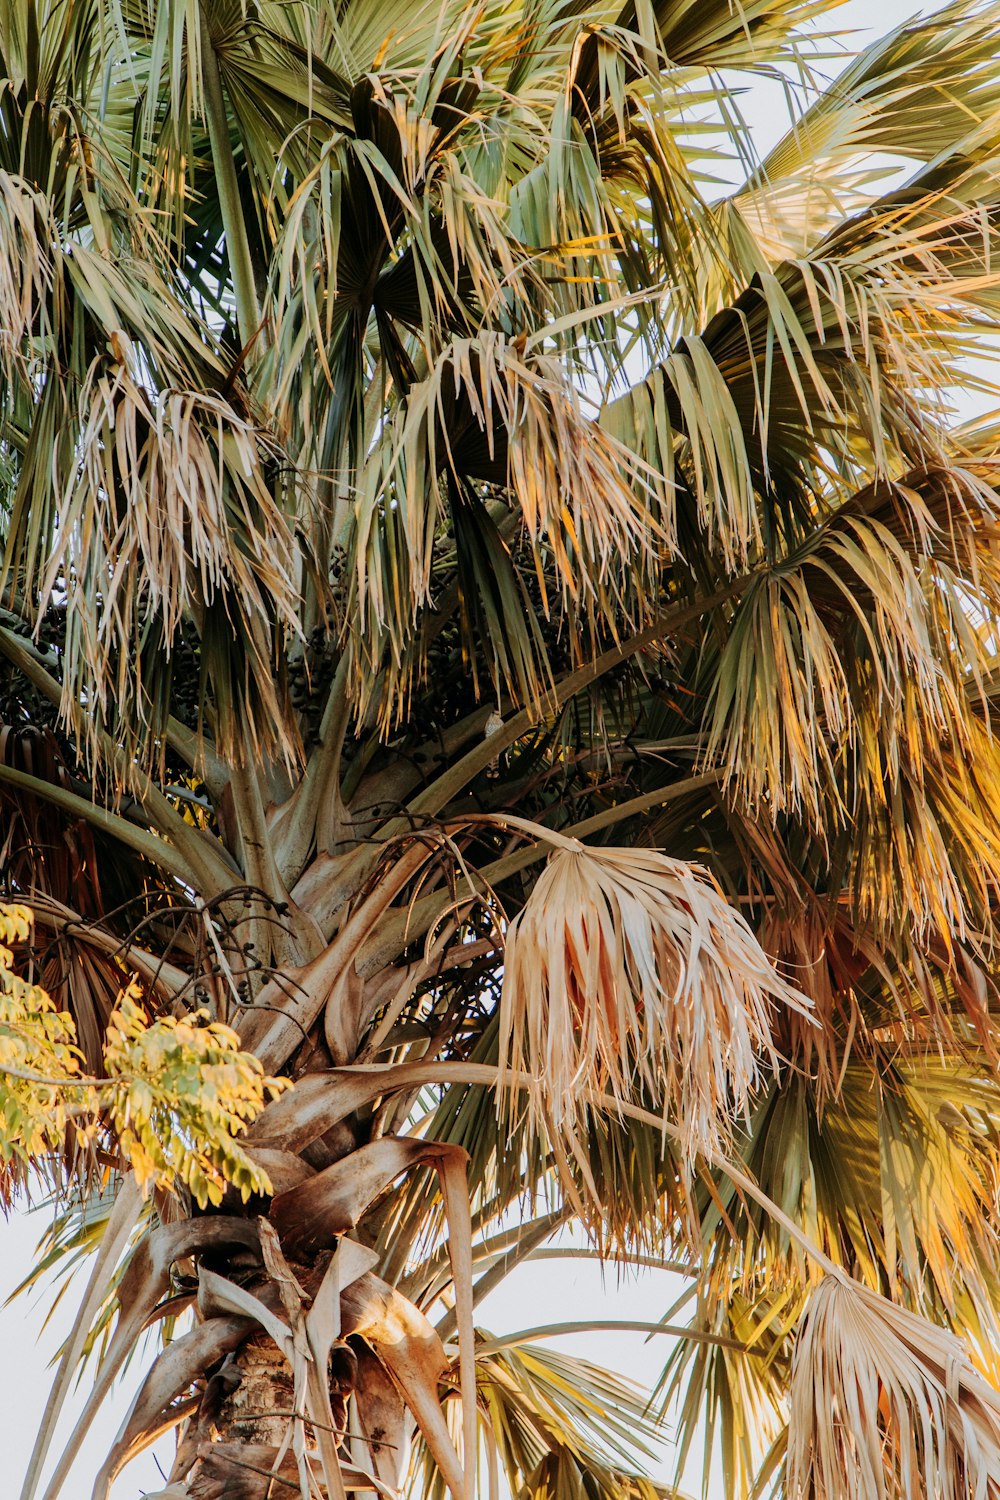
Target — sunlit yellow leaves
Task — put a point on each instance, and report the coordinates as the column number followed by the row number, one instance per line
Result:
column 39, row 1062
column 834, row 675
column 188, row 1093
column 15, row 925
column 178, row 1093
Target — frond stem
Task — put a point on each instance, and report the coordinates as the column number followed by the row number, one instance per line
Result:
column 156, row 850
column 436, row 797
column 508, row 1262
column 611, row 1325
column 489, row 1075
column 421, row 914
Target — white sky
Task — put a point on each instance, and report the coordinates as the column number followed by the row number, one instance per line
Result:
column 551, row 1292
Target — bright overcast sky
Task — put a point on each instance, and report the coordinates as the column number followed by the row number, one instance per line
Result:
column 554, row 1291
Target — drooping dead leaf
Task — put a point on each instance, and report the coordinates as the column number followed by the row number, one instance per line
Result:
column 627, row 969
column 169, row 506
column 886, row 1406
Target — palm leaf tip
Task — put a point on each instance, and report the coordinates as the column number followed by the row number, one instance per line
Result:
column 885, row 1404
column 627, row 969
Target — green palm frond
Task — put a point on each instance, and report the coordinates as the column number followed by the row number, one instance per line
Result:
column 893, row 1181
column 733, row 1401
column 555, row 1423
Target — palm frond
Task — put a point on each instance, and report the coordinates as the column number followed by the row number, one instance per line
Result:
column 733, row 1400
column 554, row 1420
column 884, row 1402
column 629, row 969
column 166, row 517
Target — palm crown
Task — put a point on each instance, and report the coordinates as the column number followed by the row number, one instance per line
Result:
column 509, row 628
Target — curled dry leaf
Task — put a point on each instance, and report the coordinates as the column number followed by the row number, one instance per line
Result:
column 403, row 1340
column 885, row 1404
column 627, row 969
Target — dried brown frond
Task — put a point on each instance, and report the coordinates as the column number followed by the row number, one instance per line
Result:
column 627, row 970
column 27, row 234
column 825, row 957
column 885, row 1404
column 166, row 516
column 492, row 408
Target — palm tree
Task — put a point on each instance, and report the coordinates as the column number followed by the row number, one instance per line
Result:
column 509, row 626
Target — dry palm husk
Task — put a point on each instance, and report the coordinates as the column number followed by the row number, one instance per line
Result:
column 629, row 970
column 886, row 1405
